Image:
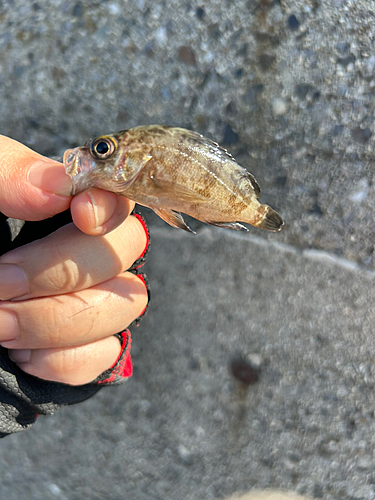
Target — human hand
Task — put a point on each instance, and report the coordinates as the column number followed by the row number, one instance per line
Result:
column 64, row 296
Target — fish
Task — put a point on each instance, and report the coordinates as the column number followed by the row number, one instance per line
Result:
column 172, row 170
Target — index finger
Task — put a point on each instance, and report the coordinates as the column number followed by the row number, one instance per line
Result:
column 32, row 187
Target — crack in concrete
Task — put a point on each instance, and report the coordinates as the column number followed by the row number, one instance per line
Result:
column 309, row 253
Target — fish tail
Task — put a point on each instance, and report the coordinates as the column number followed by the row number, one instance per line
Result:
column 271, row 220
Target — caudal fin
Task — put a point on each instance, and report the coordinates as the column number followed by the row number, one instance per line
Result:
column 272, row 221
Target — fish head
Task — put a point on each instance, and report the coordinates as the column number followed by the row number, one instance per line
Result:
column 94, row 164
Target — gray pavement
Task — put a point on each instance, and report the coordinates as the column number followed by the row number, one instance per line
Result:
column 288, row 88
column 183, row 427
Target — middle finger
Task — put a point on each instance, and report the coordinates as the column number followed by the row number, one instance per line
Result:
column 69, row 260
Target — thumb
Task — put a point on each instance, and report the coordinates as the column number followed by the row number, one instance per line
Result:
column 32, row 187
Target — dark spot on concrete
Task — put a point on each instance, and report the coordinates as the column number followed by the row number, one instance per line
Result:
column 315, row 209
column 170, row 28
column 243, row 50
column 305, row 90
column 265, row 61
column 200, row 13
column 186, row 55
column 293, row 23
column 361, row 135
column 315, row 95
column 194, row 103
column 146, row 12
column 238, row 73
column 214, row 32
column 337, row 130
column 205, row 80
column 77, row 10
column 301, row 91
column 350, row 424
column 243, row 371
column 194, row 364
column 345, row 61
column 122, row 115
column 148, row 49
column 252, row 93
column 343, row 48
column 33, row 124
column 230, row 108
column 281, row 180
column 58, row 75
column 234, row 39
column 293, row 457
column 320, row 340
column 230, row 137
column 263, row 37
column 18, row 71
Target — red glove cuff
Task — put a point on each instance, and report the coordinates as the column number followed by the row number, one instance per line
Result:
column 123, row 367
column 142, row 258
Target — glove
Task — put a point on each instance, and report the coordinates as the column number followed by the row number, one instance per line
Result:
column 22, row 396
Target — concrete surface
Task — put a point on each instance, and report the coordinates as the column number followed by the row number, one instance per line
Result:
column 288, row 87
column 183, row 427
column 268, row 495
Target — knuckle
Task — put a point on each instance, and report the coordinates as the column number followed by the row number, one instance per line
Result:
column 65, row 276
column 54, row 327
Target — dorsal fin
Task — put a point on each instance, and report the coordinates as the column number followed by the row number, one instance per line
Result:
column 204, row 141
column 253, row 183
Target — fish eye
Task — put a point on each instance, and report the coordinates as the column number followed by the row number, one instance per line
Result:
column 103, row 147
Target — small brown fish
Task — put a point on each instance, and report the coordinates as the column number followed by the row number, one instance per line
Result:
column 172, row 170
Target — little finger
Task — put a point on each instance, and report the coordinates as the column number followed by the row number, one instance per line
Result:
column 73, row 365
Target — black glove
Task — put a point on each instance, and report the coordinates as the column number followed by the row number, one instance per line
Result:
column 22, row 396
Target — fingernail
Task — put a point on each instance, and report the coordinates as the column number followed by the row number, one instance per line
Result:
column 8, row 326
column 101, row 213
column 13, row 281
column 50, row 176
column 20, row 355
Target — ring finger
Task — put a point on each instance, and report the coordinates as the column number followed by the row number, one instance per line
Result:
column 54, row 321
column 72, row 365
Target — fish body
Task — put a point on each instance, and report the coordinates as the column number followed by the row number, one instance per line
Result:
column 172, row 170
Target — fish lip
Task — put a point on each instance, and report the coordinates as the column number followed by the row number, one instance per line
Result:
column 78, row 170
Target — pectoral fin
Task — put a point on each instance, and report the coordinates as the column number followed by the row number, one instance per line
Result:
column 172, row 218
column 177, row 191
column 228, row 225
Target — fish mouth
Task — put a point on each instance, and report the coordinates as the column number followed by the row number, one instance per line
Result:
column 78, row 169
